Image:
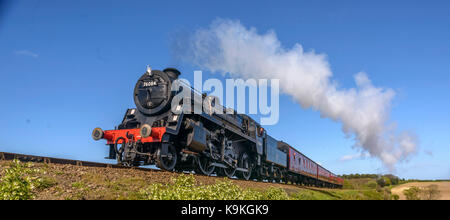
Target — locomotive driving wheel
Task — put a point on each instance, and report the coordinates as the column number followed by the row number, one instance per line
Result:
column 245, row 163
column 228, row 172
column 167, row 161
column 205, row 166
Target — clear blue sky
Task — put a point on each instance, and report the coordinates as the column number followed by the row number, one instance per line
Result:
column 67, row 67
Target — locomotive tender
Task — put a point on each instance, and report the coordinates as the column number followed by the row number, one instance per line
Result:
column 231, row 144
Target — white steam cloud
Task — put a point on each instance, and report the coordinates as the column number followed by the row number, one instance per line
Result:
column 229, row 47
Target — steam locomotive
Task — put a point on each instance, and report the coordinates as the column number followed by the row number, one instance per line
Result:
column 232, row 145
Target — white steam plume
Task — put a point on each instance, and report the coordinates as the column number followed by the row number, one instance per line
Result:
column 229, row 47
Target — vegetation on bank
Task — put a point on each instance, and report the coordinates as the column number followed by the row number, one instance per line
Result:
column 19, row 180
column 389, row 179
column 374, row 181
column 430, row 192
column 371, row 180
column 186, row 188
column 37, row 181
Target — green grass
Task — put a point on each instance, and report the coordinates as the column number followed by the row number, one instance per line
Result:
column 186, row 188
column 362, row 194
column 20, row 180
column 23, row 181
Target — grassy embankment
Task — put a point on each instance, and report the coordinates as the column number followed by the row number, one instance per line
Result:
column 42, row 181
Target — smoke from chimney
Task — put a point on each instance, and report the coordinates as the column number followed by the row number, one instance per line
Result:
column 229, row 47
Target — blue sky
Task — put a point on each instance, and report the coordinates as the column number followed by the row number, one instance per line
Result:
column 67, row 67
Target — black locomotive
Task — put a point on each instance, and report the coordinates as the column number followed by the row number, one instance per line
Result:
column 233, row 145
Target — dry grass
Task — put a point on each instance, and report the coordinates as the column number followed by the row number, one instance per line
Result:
column 443, row 187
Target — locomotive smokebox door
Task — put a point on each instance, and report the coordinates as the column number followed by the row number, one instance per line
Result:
column 152, row 93
column 196, row 140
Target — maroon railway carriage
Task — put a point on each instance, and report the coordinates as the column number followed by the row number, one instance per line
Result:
column 303, row 170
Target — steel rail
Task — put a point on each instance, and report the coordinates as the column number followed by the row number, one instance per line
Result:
column 53, row 160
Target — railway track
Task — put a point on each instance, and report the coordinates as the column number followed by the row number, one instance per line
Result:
column 53, row 160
